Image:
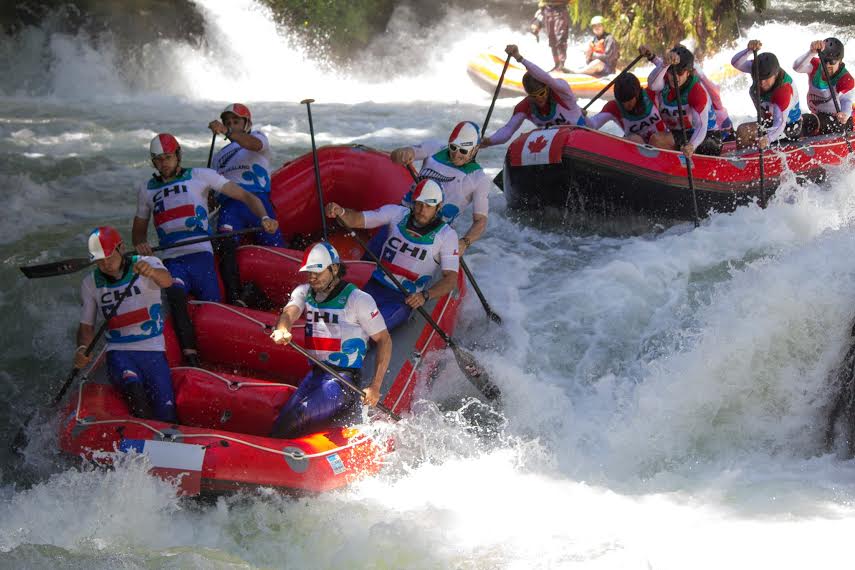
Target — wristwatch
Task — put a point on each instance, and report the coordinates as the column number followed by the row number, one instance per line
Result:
column 467, row 241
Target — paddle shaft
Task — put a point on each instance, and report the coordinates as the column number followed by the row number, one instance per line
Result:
column 685, row 141
column 612, row 82
column 761, row 130
column 211, row 150
column 320, row 191
column 833, row 93
column 342, row 379
column 495, row 95
column 487, row 308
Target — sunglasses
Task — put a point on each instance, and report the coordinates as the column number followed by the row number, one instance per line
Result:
column 832, row 61
column 454, row 148
column 542, row 92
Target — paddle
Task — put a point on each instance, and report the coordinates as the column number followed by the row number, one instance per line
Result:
column 761, row 130
column 342, row 379
column 20, row 437
column 833, row 93
column 685, row 140
column 211, row 150
column 308, row 104
column 495, row 95
column 612, row 82
column 467, row 363
column 489, row 310
column 75, row 264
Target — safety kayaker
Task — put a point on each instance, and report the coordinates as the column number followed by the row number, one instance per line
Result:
column 603, row 51
column 136, row 357
column 340, row 319
column 418, row 244
column 177, row 198
column 778, row 99
column 824, row 118
column 246, row 162
column 454, row 167
column 549, row 102
column 700, row 131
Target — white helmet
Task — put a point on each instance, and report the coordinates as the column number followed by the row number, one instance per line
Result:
column 429, row 192
column 466, row 136
column 597, row 20
column 164, row 143
column 241, row 111
column 103, row 241
column 319, row 256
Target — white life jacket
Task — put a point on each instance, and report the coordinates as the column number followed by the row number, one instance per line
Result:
column 457, row 186
column 331, row 336
column 413, row 260
column 247, row 168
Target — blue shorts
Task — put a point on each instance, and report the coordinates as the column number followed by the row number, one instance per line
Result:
column 150, row 368
column 391, row 303
column 235, row 215
column 318, row 399
column 196, row 274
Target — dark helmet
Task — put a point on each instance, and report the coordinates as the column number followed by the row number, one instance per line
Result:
column 833, row 50
column 767, row 65
column 627, row 87
column 530, row 84
column 687, row 59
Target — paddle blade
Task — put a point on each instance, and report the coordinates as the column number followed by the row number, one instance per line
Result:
column 55, row 268
column 475, row 373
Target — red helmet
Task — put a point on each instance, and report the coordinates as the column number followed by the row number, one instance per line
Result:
column 241, row 111
column 164, row 143
column 103, row 241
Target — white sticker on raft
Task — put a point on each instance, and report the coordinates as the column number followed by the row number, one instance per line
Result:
column 171, row 460
column 336, row 463
column 536, row 147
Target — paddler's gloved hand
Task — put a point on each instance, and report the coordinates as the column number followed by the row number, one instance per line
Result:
column 81, row 359
column 371, row 395
column 281, row 336
column 763, row 142
column 817, row 45
column 645, row 51
column 269, row 224
column 513, row 51
column 144, row 269
column 672, row 58
column 217, row 128
column 404, row 155
column 754, row 45
column 334, row 210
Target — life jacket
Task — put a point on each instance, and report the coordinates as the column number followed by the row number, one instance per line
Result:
column 452, row 178
column 644, row 123
column 819, row 94
column 768, row 98
column 411, row 254
column 138, row 324
column 180, row 210
column 667, row 104
column 330, row 336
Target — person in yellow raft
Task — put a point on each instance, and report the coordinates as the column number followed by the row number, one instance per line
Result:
column 602, row 53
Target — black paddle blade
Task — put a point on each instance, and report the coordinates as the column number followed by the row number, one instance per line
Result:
column 55, row 268
column 475, row 374
column 499, row 180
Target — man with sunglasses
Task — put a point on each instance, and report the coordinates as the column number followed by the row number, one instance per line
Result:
column 700, row 131
column 453, row 166
column 549, row 102
column 823, row 117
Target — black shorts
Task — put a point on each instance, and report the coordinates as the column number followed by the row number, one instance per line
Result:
column 823, row 124
column 710, row 146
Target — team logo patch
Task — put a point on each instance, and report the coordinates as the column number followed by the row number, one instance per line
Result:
column 374, row 313
column 129, row 375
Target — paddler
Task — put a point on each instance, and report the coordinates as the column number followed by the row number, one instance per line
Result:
column 462, row 179
column 779, row 99
column 549, row 102
column 418, row 245
column 824, row 117
column 177, row 198
column 246, row 162
column 603, row 51
column 340, row 319
column 136, row 357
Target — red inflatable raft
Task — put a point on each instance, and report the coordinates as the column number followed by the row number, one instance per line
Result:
column 227, row 408
column 590, row 171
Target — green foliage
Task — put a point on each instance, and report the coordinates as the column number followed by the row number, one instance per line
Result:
column 659, row 24
column 336, row 26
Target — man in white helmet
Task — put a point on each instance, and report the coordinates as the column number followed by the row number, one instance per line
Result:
column 453, row 166
column 246, row 162
column 136, row 357
column 340, row 319
column 419, row 243
column 177, row 199
column 603, row 51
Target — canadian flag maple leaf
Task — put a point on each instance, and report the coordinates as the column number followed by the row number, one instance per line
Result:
column 537, row 144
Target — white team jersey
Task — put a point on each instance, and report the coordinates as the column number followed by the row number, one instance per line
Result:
column 413, row 259
column 462, row 185
column 338, row 328
column 248, row 169
column 138, row 325
column 180, row 208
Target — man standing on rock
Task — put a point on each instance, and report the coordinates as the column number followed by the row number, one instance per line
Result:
column 555, row 16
